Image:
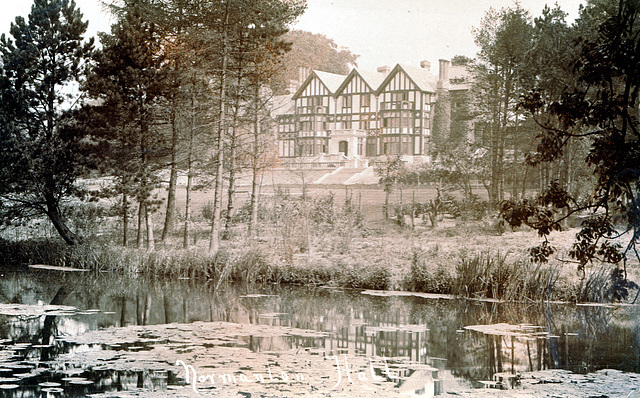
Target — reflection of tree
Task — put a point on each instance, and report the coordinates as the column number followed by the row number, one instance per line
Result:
column 605, row 337
column 49, row 327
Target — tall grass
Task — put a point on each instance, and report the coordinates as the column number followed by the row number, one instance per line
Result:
column 486, row 276
column 249, row 265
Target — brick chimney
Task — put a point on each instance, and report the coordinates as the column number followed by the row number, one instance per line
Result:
column 443, row 74
column 425, row 65
column 384, row 70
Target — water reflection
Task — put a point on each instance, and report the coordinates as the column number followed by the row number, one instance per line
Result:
column 402, row 330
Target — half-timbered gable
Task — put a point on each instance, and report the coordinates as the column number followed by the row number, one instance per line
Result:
column 357, row 101
column 404, row 100
column 314, row 102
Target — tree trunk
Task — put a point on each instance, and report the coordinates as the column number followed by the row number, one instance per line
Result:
column 53, row 211
column 173, row 182
column 187, row 206
column 253, row 223
column 125, row 219
column 150, row 239
column 139, row 237
column 232, row 181
column 214, row 239
column 187, row 212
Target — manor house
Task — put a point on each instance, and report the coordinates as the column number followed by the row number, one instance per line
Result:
column 331, row 120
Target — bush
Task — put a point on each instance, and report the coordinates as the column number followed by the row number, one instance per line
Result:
column 364, row 277
column 471, row 208
column 426, row 278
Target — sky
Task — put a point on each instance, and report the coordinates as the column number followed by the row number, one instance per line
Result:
column 382, row 32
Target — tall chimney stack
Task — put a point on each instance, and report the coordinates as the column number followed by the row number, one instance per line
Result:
column 293, row 86
column 443, row 74
column 303, row 73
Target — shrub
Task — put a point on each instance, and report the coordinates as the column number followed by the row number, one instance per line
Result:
column 365, row 277
column 426, row 278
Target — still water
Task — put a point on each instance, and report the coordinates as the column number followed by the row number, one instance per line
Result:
column 442, row 333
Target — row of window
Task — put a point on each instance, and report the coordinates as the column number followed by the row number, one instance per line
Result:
column 320, row 104
column 387, row 122
column 375, row 146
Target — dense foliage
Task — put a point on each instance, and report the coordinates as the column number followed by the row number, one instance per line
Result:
column 40, row 150
column 601, row 109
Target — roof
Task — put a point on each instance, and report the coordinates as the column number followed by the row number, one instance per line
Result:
column 330, row 80
column 282, row 105
column 372, row 79
column 423, row 78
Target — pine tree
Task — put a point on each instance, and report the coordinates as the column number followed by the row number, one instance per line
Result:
column 130, row 83
column 40, row 156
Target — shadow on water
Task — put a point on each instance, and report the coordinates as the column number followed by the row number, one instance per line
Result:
column 400, row 329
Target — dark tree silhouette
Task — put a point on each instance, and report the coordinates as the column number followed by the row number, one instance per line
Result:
column 40, row 157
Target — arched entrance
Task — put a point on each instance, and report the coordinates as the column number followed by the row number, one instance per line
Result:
column 343, row 146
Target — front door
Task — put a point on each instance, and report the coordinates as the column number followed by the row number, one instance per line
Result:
column 343, row 146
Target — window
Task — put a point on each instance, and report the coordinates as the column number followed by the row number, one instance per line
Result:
column 372, row 146
column 404, row 120
column 400, row 96
column 287, row 148
column 346, row 102
column 315, row 101
column 365, row 100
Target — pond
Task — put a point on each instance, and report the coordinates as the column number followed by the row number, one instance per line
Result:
column 466, row 342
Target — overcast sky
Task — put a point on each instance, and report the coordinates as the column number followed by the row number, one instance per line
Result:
column 382, row 32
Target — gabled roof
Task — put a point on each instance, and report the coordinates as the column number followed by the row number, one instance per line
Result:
column 421, row 77
column 282, row 105
column 331, row 81
column 372, row 79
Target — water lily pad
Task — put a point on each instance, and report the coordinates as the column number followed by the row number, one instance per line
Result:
column 9, row 386
column 49, row 384
column 57, row 268
column 73, row 379
column 53, row 390
column 73, row 371
column 34, row 310
column 81, row 382
column 18, row 366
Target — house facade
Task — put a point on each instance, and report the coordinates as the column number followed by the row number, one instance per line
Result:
column 355, row 119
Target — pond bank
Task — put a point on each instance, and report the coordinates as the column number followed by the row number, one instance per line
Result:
column 419, row 267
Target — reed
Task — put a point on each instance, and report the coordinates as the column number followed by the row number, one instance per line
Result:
column 250, row 265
